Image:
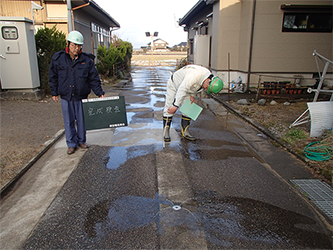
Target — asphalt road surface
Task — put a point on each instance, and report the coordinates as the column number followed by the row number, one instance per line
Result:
column 228, row 189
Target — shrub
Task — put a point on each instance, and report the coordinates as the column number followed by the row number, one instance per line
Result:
column 181, row 63
column 48, row 41
column 114, row 59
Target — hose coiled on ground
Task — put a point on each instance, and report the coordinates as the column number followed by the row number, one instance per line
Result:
column 318, row 153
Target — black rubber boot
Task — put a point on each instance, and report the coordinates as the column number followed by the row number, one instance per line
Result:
column 184, row 125
column 166, row 128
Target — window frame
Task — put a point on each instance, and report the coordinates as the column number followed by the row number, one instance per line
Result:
column 191, row 46
column 312, row 17
column 309, row 19
column 10, row 33
column 103, row 35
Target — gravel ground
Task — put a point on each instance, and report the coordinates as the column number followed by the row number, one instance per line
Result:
column 25, row 127
column 277, row 118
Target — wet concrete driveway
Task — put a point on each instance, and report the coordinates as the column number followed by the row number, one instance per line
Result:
column 131, row 191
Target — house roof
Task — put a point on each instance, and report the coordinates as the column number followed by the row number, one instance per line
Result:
column 182, row 44
column 95, row 10
column 157, row 40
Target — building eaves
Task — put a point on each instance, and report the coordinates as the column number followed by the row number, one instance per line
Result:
column 95, row 10
column 192, row 12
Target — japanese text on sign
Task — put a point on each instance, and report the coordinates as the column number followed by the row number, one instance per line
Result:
column 102, row 110
column 106, row 112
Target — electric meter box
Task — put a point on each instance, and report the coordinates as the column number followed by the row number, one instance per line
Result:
column 18, row 57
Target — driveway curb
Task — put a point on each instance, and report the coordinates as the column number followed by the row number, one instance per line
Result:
column 261, row 129
column 33, row 160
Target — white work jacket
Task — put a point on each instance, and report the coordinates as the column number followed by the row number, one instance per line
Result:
column 188, row 80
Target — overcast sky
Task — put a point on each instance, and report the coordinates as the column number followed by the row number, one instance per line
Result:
column 136, row 17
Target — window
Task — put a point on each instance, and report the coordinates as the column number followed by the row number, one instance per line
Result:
column 191, row 47
column 307, row 18
column 307, row 22
column 102, row 34
column 9, row 33
column 203, row 28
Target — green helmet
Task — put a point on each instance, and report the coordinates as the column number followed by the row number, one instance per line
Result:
column 75, row 37
column 215, row 86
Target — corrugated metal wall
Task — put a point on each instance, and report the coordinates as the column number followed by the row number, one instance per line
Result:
column 20, row 8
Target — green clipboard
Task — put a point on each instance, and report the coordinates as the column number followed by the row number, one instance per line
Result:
column 190, row 110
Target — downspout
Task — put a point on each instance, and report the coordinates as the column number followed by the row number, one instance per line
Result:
column 69, row 16
column 251, row 46
column 75, row 8
column 81, row 6
column 112, row 29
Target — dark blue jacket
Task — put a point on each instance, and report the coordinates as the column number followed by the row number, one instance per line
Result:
column 73, row 79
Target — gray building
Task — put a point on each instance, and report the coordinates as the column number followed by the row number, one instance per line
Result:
column 259, row 38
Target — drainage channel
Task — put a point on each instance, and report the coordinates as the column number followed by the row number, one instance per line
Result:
column 319, row 192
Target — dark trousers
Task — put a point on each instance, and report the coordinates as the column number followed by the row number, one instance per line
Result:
column 72, row 111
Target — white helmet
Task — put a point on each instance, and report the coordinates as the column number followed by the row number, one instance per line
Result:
column 75, row 37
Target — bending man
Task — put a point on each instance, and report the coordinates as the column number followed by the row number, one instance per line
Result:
column 182, row 85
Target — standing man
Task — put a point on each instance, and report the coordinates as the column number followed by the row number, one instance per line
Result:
column 182, row 85
column 72, row 75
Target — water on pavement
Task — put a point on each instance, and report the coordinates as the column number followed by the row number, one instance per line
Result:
column 124, row 194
